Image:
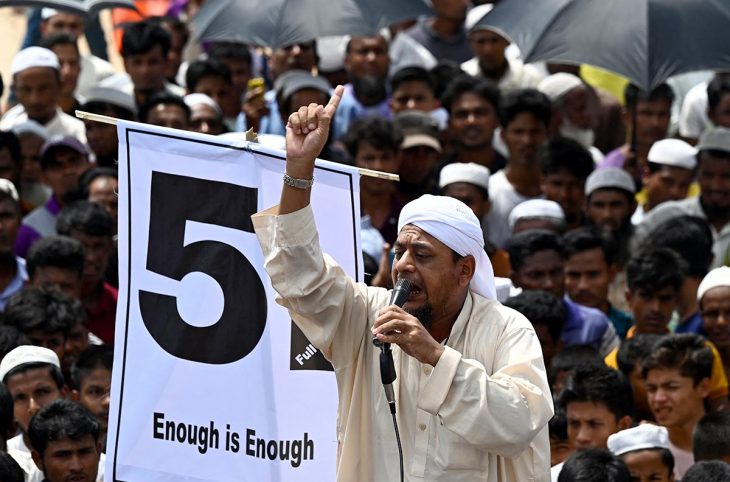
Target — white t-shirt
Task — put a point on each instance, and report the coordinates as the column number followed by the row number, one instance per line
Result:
column 693, row 118
column 504, row 198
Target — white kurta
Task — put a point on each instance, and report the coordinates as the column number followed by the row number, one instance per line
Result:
column 479, row 415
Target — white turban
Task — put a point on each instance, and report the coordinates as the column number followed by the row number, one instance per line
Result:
column 453, row 223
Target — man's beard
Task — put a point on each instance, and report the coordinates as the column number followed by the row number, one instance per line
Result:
column 369, row 89
column 713, row 211
column 584, row 137
column 424, row 313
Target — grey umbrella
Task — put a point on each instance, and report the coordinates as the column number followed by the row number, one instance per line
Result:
column 276, row 23
column 644, row 40
column 77, row 6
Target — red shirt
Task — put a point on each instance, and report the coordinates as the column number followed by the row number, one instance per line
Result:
column 101, row 319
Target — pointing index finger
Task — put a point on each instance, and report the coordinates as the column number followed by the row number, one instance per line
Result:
column 334, row 102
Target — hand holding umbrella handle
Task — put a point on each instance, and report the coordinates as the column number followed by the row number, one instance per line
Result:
column 306, row 134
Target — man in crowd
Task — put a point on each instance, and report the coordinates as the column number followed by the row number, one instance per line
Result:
column 69, row 59
column 451, row 294
column 238, row 59
column 206, row 116
column 419, row 152
column 165, row 110
column 444, row 34
column 713, row 299
column 32, row 191
column 413, row 88
column 102, row 137
column 212, row 78
column 13, row 273
column 547, row 315
column 537, row 259
column 91, row 379
column 57, row 261
column 711, row 437
column 645, row 450
column 525, row 117
column 37, row 83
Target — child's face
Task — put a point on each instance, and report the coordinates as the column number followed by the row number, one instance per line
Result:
column 652, row 310
column 559, row 450
column 94, row 394
column 675, row 399
column 647, row 466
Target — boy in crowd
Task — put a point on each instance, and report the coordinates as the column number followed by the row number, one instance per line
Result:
column 566, row 361
column 645, row 451
column 165, row 110
column 413, row 89
column 537, row 259
column 102, row 137
column 595, row 465
column 565, row 165
column 708, row 471
column 212, row 78
column 677, row 375
column 65, row 441
column 91, row 378
column 629, row 357
column 711, row 437
column 590, row 268
column 547, row 315
column 525, row 117
column 57, row 261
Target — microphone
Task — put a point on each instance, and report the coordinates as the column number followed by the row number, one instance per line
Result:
column 398, row 297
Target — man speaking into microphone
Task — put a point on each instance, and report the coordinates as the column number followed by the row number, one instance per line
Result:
column 471, row 392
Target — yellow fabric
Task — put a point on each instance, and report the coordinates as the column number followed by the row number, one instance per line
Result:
column 598, row 77
column 694, row 191
column 480, row 414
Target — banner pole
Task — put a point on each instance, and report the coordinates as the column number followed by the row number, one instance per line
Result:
column 113, row 121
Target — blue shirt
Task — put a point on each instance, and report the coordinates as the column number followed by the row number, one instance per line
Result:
column 693, row 324
column 16, row 284
column 587, row 326
column 351, row 109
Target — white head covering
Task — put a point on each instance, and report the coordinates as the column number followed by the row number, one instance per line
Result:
column 536, row 208
column 33, row 57
column 27, row 354
column 453, row 223
column 641, row 437
column 470, row 172
column 30, row 127
column 673, row 152
column 557, row 85
column 715, row 278
column 198, row 98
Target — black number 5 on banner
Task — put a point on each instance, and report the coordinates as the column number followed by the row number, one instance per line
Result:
column 174, row 201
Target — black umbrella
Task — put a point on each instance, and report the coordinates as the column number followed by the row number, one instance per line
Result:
column 644, row 40
column 84, row 7
column 276, row 23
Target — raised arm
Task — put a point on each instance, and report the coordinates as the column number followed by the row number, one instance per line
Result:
column 306, row 135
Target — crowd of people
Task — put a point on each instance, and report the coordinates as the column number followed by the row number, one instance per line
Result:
column 605, row 215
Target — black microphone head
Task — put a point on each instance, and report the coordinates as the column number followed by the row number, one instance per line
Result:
column 401, row 291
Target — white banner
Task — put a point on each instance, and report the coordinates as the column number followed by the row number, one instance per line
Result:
column 212, row 381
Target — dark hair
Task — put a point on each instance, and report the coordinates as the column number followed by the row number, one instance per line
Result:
column 200, row 69
column 5, row 196
column 558, row 426
column 10, row 339
column 412, row 74
column 654, row 268
column 718, row 87
column 10, row 471
column 594, row 465
column 94, row 173
column 665, row 455
column 58, row 420
column 686, row 352
column 466, row 84
column 599, row 384
column 525, row 244
column 715, row 153
column 584, row 239
column 11, row 142
column 688, row 236
column 376, row 131
column 175, row 24
column 6, row 411
column 141, row 37
column 540, row 308
column 105, row 108
column 46, row 309
column 53, row 371
column 94, row 357
column 708, row 471
column 230, row 51
column 711, row 436
column 59, row 38
column 561, row 154
column 530, row 101
column 444, row 73
column 633, row 94
column 162, row 98
column 634, row 350
column 57, row 252
column 572, row 357
column 85, row 217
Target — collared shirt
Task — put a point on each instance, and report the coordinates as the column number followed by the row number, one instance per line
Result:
column 588, row 326
column 517, row 75
column 38, row 223
column 479, row 414
column 351, row 109
column 16, row 284
column 62, row 124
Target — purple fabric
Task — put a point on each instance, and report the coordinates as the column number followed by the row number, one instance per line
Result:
column 28, row 235
column 613, row 159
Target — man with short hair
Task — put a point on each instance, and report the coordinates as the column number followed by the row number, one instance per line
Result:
column 708, row 471
column 704, row 107
column 69, row 58
column 628, row 361
column 713, row 203
column 102, row 137
column 441, row 340
column 367, row 63
column 444, row 34
column 63, row 161
column 212, row 78
column 37, row 83
column 645, row 451
column 547, row 315
column 711, row 437
column 677, row 374
column 473, row 108
column 420, row 152
column 91, row 379
column 594, row 465
column 65, row 440
column 413, row 88
column 166, row 110
column 57, row 261
column 525, row 117
column 92, row 226
column 238, row 59
column 537, row 259
column 565, row 165
column 669, row 171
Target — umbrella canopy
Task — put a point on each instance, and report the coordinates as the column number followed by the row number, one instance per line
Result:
column 644, row 40
column 83, row 7
column 277, row 23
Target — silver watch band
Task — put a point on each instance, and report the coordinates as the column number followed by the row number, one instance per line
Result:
column 298, row 183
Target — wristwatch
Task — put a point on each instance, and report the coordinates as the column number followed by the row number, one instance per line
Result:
column 298, row 183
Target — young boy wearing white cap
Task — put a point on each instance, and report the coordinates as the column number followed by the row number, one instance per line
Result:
column 645, row 451
column 37, row 83
column 667, row 175
column 713, row 296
